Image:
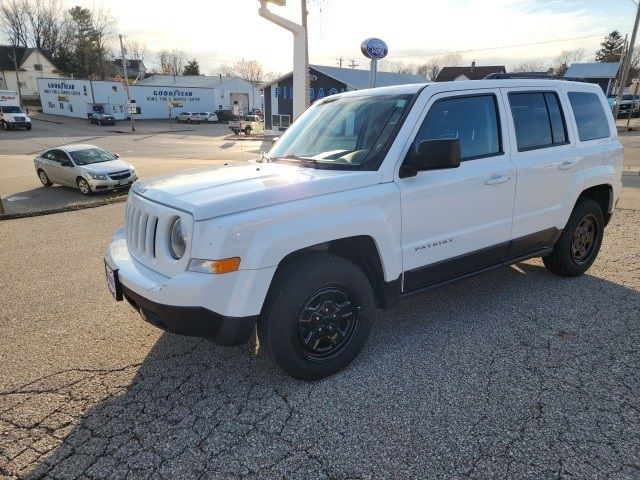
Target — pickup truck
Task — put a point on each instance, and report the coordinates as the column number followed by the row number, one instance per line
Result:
column 248, row 124
column 369, row 197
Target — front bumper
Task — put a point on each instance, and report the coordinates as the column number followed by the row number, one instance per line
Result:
column 224, row 308
column 19, row 124
column 109, row 184
column 192, row 321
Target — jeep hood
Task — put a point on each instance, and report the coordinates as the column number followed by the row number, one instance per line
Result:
column 215, row 192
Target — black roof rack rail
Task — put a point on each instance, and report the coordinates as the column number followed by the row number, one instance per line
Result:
column 533, row 76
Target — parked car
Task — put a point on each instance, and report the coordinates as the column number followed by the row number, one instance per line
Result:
column 86, row 167
column 369, row 197
column 209, row 117
column 249, row 124
column 258, row 112
column 102, row 119
column 629, row 105
column 190, row 117
column 225, row 115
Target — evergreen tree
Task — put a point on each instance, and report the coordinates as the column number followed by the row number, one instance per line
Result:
column 191, row 68
column 611, row 50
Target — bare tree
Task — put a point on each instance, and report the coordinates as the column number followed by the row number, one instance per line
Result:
column 432, row 68
column 13, row 22
column 44, row 24
column 565, row 58
column 251, row 70
column 137, row 50
column 172, row 61
column 397, row 67
column 532, row 65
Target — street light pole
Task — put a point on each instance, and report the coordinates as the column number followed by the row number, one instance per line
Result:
column 126, row 82
column 627, row 64
column 300, row 65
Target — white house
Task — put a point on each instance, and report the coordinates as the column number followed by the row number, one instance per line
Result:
column 32, row 65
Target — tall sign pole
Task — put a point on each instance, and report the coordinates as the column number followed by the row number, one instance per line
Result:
column 374, row 49
column 627, row 64
column 126, row 82
column 300, row 65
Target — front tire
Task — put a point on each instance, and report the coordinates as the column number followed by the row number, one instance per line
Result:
column 247, row 131
column 6, row 126
column 317, row 317
column 578, row 246
column 84, row 186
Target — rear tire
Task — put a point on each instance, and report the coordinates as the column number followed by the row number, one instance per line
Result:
column 44, row 178
column 578, row 246
column 28, row 127
column 317, row 317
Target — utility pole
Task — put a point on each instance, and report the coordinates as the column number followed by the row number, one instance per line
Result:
column 15, row 66
column 339, row 60
column 305, row 14
column 627, row 64
column 300, row 59
column 126, row 81
column 352, row 63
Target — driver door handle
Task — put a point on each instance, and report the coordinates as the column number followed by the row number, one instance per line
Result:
column 497, row 179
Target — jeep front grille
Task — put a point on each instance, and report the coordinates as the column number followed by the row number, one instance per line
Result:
column 141, row 228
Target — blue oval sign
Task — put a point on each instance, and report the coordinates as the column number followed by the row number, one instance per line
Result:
column 374, row 48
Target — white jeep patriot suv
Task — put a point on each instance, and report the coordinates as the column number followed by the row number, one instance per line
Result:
column 370, row 196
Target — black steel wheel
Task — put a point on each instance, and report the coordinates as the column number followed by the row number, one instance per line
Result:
column 579, row 244
column 584, row 239
column 317, row 315
column 327, row 323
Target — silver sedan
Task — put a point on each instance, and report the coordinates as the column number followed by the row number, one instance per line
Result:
column 86, row 167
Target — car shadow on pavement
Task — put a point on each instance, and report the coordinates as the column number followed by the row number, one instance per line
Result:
column 513, row 374
column 55, row 198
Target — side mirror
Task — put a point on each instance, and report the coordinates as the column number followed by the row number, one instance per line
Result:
column 116, row 155
column 274, row 139
column 67, row 163
column 432, row 155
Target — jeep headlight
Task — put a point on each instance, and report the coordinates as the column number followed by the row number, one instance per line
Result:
column 177, row 239
column 97, row 176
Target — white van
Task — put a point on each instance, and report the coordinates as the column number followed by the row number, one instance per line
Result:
column 11, row 113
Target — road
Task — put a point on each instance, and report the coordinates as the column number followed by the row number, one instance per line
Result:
column 512, row 374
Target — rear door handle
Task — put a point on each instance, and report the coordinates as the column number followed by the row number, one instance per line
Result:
column 497, row 179
column 567, row 164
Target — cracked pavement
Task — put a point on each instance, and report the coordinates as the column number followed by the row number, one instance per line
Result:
column 511, row 374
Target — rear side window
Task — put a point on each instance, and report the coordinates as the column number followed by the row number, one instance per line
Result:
column 472, row 120
column 590, row 117
column 538, row 120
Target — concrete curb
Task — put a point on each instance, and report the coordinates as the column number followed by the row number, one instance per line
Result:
column 67, row 208
column 631, row 173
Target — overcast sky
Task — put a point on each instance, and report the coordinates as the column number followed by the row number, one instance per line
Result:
column 219, row 31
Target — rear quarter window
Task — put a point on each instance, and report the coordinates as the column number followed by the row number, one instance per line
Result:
column 591, row 119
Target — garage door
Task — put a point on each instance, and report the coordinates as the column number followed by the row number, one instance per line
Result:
column 241, row 98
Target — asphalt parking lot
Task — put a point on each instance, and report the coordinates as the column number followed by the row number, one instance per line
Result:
column 513, row 374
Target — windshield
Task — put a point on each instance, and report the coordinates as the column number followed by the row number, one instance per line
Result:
column 91, row 155
column 11, row 109
column 343, row 130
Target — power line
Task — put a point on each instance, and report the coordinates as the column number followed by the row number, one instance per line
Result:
column 557, row 40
